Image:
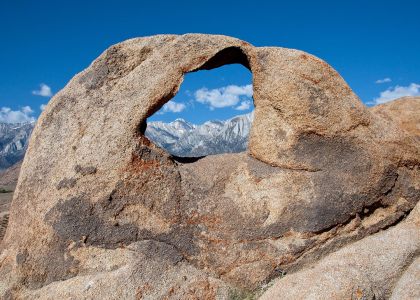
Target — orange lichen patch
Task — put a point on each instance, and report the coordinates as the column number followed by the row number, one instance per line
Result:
column 214, row 241
column 82, row 129
column 287, row 259
column 139, row 165
column 245, row 44
column 208, row 220
column 144, row 289
column 197, row 290
column 314, row 59
column 171, row 292
column 144, row 141
column 359, row 294
column 307, row 77
column 289, row 233
column 202, row 289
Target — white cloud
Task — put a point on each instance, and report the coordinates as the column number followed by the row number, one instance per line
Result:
column 244, row 105
column 385, row 80
column 223, row 97
column 42, row 106
column 174, row 107
column 27, row 110
column 7, row 115
column 397, row 92
column 44, row 91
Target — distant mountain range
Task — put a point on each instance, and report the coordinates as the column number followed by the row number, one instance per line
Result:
column 13, row 142
column 179, row 138
column 182, row 138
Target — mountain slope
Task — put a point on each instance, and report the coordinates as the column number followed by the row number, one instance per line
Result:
column 13, row 142
column 182, row 138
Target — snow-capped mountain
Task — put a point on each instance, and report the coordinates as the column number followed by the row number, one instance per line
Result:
column 182, row 138
column 13, row 142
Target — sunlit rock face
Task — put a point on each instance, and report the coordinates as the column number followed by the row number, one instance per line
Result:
column 101, row 212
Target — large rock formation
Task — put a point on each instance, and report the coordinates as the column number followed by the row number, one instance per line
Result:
column 101, row 212
column 368, row 269
column 404, row 112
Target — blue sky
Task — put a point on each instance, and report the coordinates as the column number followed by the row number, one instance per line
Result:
column 47, row 42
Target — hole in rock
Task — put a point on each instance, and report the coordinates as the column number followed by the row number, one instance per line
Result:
column 211, row 113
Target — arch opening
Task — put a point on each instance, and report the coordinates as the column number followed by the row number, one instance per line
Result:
column 211, row 113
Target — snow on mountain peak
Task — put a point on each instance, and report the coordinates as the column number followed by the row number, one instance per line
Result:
column 182, row 138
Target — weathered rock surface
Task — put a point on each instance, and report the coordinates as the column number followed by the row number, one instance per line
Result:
column 101, row 212
column 408, row 287
column 403, row 111
column 367, row 269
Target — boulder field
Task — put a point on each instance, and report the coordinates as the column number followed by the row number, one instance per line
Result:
column 323, row 205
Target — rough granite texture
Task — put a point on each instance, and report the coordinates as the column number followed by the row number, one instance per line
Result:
column 367, row 269
column 408, row 286
column 101, row 212
column 403, row 111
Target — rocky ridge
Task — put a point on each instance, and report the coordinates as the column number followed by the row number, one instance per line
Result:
column 109, row 215
column 13, row 142
column 182, row 138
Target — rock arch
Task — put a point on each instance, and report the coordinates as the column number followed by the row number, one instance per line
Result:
column 92, row 188
column 286, row 83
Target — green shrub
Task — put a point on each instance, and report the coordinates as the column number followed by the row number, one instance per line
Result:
column 236, row 294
